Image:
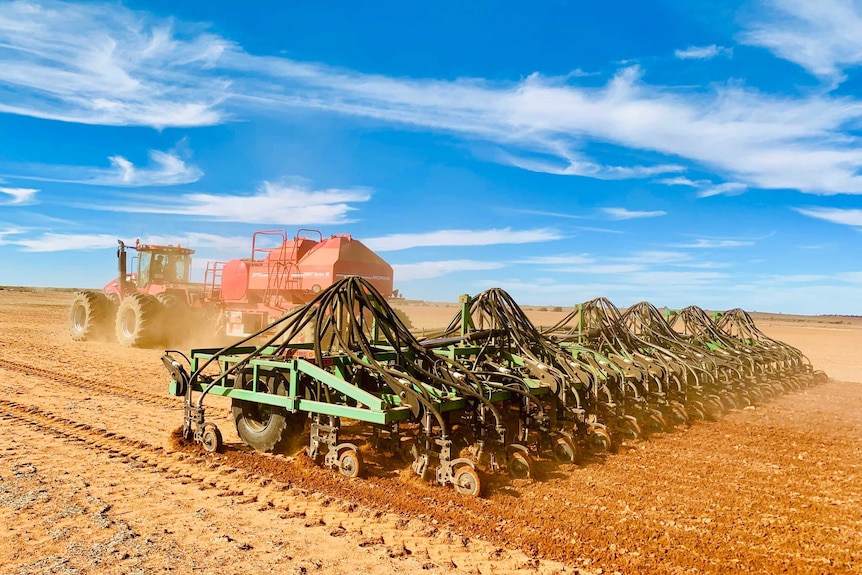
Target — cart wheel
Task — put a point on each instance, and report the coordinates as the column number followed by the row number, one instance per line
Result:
column 467, row 481
column 350, row 463
column 518, row 464
column 211, row 438
column 564, row 449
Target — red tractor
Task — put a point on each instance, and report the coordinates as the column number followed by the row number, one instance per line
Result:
column 158, row 304
column 141, row 308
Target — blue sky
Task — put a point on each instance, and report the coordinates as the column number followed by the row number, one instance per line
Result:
column 678, row 152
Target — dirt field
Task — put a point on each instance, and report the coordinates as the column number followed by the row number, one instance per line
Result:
column 93, row 480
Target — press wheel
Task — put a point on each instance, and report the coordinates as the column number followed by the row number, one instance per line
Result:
column 564, row 449
column 466, row 481
column 211, row 438
column 519, row 465
column 350, row 463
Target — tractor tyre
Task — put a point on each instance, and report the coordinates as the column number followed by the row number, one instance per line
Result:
column 89, row 316
column 265, row 427
column 138, row 319
column 176, row 316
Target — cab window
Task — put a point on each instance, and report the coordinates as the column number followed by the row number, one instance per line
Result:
column 144, row 261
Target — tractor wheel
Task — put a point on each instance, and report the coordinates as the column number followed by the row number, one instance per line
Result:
column 176, row 314
column 261, row 426
column 89, row 316
column 138, row 319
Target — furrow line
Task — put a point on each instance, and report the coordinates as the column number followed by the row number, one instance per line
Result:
column 89, row 384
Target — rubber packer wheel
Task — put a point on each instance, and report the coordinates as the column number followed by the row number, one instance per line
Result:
column 211, row 438
column 519, row 465
column 350, row 463
column 467, row 481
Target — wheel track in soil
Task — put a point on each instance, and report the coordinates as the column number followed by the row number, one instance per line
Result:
column 293, row 483
column 89, row 384
column 243, row 479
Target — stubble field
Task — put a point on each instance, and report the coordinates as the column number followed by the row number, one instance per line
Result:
column 94, row 480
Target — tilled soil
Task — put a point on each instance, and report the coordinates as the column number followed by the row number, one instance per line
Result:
column 93, row 478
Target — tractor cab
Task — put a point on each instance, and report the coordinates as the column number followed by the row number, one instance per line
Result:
column 163, row 265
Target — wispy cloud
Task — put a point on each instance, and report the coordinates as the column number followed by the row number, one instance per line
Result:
column 822, row 37
column 433, row 269
column 166, row 169
column 572, row 164
column 18, row 196
column 106, row 64
column 848, row 217
column 137, row 69
column 626, row 214
column 701, row 52
column 61, row 242
column 707, row 243
column 564, row 259
column 706, row 188
column 549, row 214
column 395, row 242
column 51, row 242
column 272, row 203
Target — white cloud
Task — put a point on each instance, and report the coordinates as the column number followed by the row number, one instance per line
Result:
column 427, row 270
column 105, row 64
column 19, row 196
column 137, row 69
column 395, row 242
column 626, row 214
column 705, row 243
column 727, row 189
column 52, row 242
column 848, row 217
column 824, row 37
column 166, row 169
column 272, row 203
column 565, row 259
column 701, row 52
column 706, row 188
column 576, row 165
column 60, row 242
column 852, row 277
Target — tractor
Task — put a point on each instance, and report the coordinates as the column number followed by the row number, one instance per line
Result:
column 155, row 304
column 158, row 304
